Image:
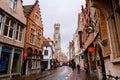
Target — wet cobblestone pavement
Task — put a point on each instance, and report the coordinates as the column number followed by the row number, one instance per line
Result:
column 61, row 73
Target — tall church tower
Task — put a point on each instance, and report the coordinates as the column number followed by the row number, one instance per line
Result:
column 57, row 40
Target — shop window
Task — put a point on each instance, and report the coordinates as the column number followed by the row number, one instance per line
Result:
column 30, row 64
column 5, row 60
column 16, row 61
column 13, row 4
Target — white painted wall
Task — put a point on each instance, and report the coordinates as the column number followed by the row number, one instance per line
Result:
column 113, row 69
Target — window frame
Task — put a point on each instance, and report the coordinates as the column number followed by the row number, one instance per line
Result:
column 32, row 35
column 39, row 39
column 1, row 22
column 8, row 27
column 13, row 4
column 46, row 52
column 19, row 32
column 37, row 18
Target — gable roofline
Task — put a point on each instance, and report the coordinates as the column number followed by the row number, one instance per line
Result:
column 29, row 8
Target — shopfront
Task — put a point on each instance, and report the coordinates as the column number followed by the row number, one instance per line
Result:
column 10, row 61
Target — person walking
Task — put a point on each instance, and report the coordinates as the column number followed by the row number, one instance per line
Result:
column 86, row 69
column 73, row 65
column 78, row 68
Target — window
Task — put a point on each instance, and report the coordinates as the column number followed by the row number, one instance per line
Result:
column 57, row 28
column 9, row 27
column 57, row 35
column 36, row 18
column 39, row 39
column 13, row 4
column 32, row 35
column 46, row 52
column 1, row 23
column 6, row 26
column 19, row 32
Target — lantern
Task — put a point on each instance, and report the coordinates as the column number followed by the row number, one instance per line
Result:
column 25, row 55
column 91, row 49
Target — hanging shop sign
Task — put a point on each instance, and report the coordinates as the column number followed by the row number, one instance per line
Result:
column 90, row 29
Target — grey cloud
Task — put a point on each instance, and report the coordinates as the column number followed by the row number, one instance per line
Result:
column 64, row 12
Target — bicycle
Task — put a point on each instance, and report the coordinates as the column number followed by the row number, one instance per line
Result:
column 110, row 77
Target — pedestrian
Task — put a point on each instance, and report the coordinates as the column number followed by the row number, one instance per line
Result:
column 78, row 68
column 73, row 65
column 86, row 68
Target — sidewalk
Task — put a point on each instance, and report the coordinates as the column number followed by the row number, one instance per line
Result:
column 82, row 76
column 35, row 76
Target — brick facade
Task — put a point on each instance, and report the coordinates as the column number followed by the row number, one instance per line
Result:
column 33, row 39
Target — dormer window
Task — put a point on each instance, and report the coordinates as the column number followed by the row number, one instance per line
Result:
column 13, row 4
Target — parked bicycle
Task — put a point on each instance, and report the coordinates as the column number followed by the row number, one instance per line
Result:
column 110, row 77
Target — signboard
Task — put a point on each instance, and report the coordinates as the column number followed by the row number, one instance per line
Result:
column 90, row 29
column 2, row 63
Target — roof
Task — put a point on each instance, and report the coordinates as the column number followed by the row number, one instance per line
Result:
column 47, row 41
column 28, row 8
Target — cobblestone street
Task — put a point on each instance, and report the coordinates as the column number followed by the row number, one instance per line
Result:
column 61, row 73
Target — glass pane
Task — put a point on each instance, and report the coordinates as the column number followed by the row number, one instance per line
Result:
column 20, row 36
column 11, row 32
column 17, row 27
column 6, row 30
column 16, row 35
column 12, row 24
column 7, row 21
column 13, row 4
column 16, row 61
column 21, row 29
column 5, row 60
column 0, row 18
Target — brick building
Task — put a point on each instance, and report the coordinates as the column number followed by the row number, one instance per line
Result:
column 101, row 47
column 107, row 46
column 63, row 58
column 33, row 39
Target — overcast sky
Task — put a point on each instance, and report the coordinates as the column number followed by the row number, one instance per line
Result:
column 64, row 12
